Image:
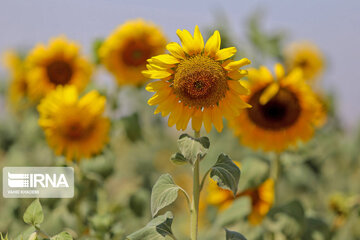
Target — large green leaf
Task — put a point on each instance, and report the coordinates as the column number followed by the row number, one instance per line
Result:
column 193, row 148
column 230, row 235
column 226, row 173
column 62, row 236
column 156, row 229
column 178, row 159
column 164, row 192
column 26, row 234
column 34, row 214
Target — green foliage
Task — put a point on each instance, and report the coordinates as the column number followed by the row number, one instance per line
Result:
column 132, row 127
column 3, row 238
column 164, row 192
column 62, row 236
column 226, row 173
column 268, row 44
column 230, row 235
column 193, row 149
column 156, row 229
column 178, row 159
column 34, row 214
column 95, row 47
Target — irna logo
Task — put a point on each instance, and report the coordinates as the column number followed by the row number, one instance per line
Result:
column 18, row 180
column 38, row 182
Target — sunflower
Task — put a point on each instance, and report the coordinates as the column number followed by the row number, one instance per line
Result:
column 284, row 110
column 306, row 56
column 18, row 89
column 125, row 51
column 197, row 82
column 74, row 127
column 60, row 63
column 261, row 197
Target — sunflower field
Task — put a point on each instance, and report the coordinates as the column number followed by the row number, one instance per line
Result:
column 205, row 136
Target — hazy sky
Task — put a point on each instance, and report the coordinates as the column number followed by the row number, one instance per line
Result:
column 333, row 25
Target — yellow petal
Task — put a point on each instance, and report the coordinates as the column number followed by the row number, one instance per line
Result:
column 216, row 117
column 175, row 114
column 155, row 62
column 196, row 120
column 186, row 40
column 155, row 74
column 225, row 53
column 213, row 44
column 293, row 77
column 207, row 119
column 236, row 75
column 176, row 50
column 269, row 93
column 155, row 86
column 166, row 58
column 279, row 71
column 265, row 73
column 238, row 88
column 198, row 40
column 234, row 65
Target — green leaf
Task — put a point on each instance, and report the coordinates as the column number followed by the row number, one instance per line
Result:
column 230, row 235
column 164, row 192
column 156, row 229
column 179, row 159
column 26, row 234
column 62, row 236
column 34, row 214
column 193, row 148
column 4, row 238
column 226, row 173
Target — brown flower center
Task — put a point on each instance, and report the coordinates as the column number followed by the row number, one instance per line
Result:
column 282, row 111
column 200, row 82
column 77, row 131
column 136, row 53
column 59, row 72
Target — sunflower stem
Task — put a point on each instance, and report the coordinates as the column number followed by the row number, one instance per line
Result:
column 196, row 197
column 275, row 172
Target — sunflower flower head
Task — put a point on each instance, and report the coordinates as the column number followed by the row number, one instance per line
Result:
column 262, row 199
column 197, row 81
column 284, row 111
column 18, row 89
column 125, row 51
column 74, row 127
column 306, row 56
column 59, row 63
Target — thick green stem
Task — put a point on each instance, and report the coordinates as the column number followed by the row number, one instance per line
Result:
column 275, row 168
column 196, row 197
column 275, row 173
column 195, row 200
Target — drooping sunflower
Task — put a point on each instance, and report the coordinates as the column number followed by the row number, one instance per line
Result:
column 125, row 51
column 197, row 82
column 18, row 89
column 59, row 63
column 284, row 110
column 262, row 199
column 306, row 56
column 74, row 127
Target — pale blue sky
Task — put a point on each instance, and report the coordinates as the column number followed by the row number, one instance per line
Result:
column 333, row 25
